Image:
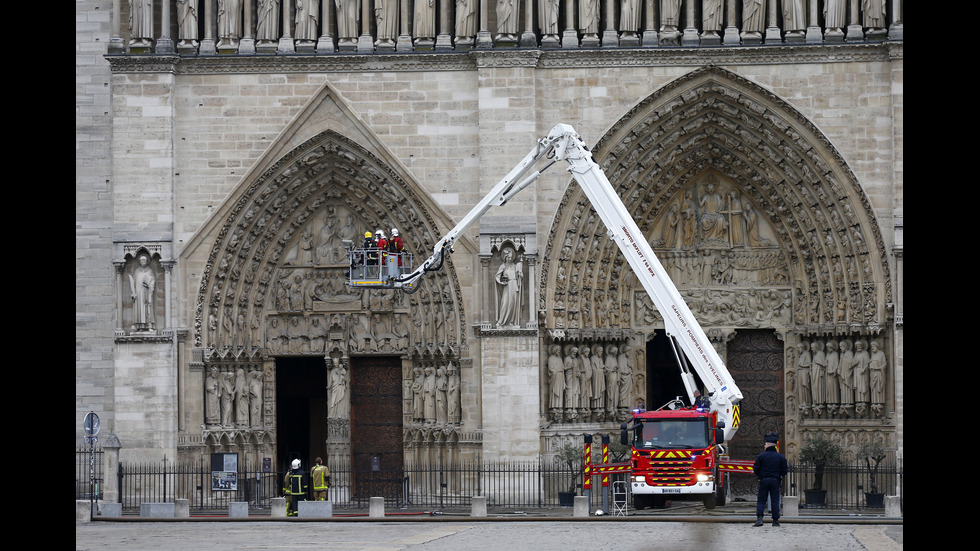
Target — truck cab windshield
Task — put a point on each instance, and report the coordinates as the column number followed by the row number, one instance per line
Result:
column 673, row 434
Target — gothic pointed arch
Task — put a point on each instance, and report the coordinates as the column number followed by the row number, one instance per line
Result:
column 275, row 275
column 709, row 137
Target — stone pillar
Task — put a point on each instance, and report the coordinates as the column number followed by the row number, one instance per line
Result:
column 511, row 397
column 110, row 468
column 773, row 36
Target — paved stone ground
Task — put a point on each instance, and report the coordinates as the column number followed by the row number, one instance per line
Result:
column 593, row 534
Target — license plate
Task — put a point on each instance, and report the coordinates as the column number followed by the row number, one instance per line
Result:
column 670, row 491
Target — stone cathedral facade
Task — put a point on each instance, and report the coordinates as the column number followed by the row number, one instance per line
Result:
column 229, row 151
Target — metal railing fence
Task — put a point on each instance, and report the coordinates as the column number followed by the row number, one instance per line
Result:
column 844, row 486
column 535, row 484
column 85, row 464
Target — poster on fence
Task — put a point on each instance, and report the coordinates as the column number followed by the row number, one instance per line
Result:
column 224, row 471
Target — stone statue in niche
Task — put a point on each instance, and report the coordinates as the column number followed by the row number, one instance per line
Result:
column 508, row 287
column 142, row 286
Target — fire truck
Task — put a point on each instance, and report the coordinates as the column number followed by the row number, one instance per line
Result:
column 678, row 451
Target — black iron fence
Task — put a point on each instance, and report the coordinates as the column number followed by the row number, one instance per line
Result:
column 847, row 486
column 89, row 463
column 536, row 484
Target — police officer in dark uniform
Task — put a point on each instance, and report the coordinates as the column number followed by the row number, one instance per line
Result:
column 770, row 468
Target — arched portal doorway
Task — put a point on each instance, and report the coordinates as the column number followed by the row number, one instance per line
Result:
column 301, row 410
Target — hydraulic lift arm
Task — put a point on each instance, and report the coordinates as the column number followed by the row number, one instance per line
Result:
column 563, row 143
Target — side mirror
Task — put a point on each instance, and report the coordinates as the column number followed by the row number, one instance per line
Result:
column 719, row 436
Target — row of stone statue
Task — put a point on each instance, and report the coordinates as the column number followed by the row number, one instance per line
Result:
column 841, row 378
column 233, row 398
column 590, row 382
column 306, row 24
column 433, row 393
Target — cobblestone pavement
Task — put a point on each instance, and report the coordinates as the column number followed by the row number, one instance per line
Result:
column 508, row 534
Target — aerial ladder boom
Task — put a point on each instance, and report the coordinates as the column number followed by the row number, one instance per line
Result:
column 563, row 143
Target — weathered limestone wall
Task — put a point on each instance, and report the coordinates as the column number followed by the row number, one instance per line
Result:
column 511, row 403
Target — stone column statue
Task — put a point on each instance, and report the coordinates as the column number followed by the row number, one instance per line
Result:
column 612, row 379
column 227, row 399
column 267, row 23
column 833, row 376
column 862, row 376
column 877, row 365
column 556, row 380
column 465, row 21
column 212, row 393
column 818, row 376
column 255, row 398
column 307, row 22
column 846, row 377
column 452, row 394
column 386, row 20
column 803, row 365
column 418, row 404
column 507, row 16
column 347, row 30
column 187, row 23
column 598, row 381
column 241, row 398
column 339, row 407
column 571, row 364
column 140, row 23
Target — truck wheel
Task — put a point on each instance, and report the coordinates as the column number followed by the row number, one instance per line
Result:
column 709, row 501
column 720, row 489
column 640, row 502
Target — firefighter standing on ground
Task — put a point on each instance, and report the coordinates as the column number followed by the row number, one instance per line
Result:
column 294, row 487
column 770, row 468
column 321, row 480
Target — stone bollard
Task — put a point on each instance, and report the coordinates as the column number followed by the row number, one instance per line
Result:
column 182, row 508
column 278, row 506
column 893, row 506
column 581, row 507
column 791, row 506
column 316, row 509
column 238, row 509
column 157, row 510
column 113, row 510
column 479, row 508
column 377, row 507
column 83, row 510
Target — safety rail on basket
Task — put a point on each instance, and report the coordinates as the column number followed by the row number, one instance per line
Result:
column 378, row 269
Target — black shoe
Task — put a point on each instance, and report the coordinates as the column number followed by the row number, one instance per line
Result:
column 775, row 523
column 757, row 523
